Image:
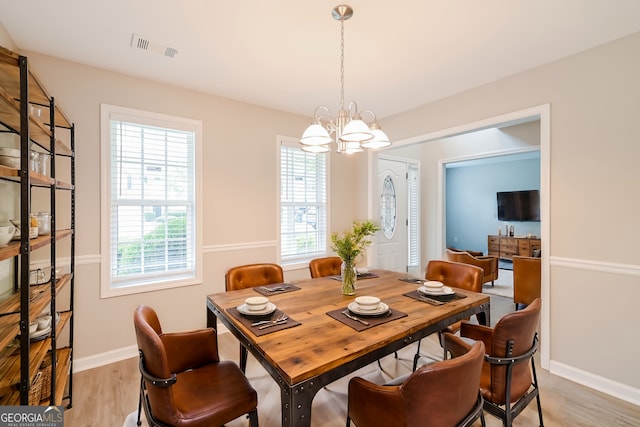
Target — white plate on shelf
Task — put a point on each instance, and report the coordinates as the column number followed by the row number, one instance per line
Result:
column 355, row 308
column 40, row 334
column 244, row 309
column 445, row 290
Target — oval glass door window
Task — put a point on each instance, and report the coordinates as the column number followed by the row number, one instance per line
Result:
column 388, row 208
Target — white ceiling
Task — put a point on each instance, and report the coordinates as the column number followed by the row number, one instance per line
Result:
column 285, row 54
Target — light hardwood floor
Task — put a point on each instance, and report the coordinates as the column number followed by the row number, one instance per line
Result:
column 105, row 396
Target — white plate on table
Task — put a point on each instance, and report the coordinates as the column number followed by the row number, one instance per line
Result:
column 355, row 308
column 445, row 290
column 244, row 309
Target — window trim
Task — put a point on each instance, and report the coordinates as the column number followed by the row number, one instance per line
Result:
column 107, row 111
column 299, row 263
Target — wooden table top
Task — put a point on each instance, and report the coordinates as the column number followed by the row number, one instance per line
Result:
column 322, row 343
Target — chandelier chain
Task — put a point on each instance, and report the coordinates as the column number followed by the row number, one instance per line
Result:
column 342, row 64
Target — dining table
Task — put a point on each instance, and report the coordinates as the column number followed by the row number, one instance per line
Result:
column 319, row 342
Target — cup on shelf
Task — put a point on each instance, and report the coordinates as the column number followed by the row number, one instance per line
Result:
column 43, row 322
column 43, row 160
column 34, row 164
column 44, row 223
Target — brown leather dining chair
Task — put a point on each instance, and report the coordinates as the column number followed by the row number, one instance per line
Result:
column 508, row 383
column 327, row 266
column 441, row 394
column 489, row 264
column 527, row 274
column 249, row 276
column 457, row 275
column 184, row 382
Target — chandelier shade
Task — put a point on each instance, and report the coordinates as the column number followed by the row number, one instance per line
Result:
column 351, row 132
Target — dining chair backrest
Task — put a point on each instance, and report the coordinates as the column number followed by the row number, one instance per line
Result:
column 456, row 274
column 182, row 377
column 513, row 333
column 527, row 275
column 444, row 393
column 251, row 275
column 323, row 267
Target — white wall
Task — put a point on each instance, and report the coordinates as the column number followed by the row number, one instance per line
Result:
column 594, row 187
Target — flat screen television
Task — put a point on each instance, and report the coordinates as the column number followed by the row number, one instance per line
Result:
column 519, row 205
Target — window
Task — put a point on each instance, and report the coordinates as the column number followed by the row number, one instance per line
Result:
column 150, row 189
column 303, row 203
column 413, row 192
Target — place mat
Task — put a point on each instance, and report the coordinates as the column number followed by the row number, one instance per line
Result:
column 433, row 299
column 276, row 289
column 372, row 321
column 360, row 276
column 247, row 321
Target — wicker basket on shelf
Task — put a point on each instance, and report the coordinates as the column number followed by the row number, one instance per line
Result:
column 34, row 390
column 45, row 368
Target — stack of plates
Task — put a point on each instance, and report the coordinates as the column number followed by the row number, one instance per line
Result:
column 244, row 309
column 10, row 157
column 381, row 310
column 444, row 293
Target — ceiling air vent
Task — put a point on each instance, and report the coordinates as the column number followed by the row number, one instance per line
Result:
column 139, row 42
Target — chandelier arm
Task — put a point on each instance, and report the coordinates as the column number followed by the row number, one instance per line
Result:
column 375, row 119
column 317, row 117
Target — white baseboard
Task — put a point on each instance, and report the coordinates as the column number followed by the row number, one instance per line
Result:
column 604, row 385
column 97, row 360
column 113, row 356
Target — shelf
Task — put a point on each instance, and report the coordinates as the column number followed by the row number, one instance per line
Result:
column 38, row 131
column 13, row 248
column 10, row 81
column 36, row 179
column 63, row 357
column 10, row 366
column 40, row 298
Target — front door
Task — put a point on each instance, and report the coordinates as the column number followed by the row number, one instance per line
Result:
column 392, row 238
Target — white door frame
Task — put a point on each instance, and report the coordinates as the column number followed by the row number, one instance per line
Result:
column 541, row 113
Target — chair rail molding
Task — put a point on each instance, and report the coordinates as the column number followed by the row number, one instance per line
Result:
column 593, row 265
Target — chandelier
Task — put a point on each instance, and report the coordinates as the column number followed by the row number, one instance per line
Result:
column 352, row 134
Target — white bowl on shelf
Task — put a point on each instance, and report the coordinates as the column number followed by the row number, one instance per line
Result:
column 43, row 322
column 6, row 234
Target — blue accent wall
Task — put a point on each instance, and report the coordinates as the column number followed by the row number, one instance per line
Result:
column 471, row 208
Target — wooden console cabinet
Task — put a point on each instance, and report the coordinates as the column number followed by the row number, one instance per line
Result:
column 506, row 247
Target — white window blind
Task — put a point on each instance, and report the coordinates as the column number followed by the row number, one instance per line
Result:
column 152, row 201
column 303, row 203
column 414, row 216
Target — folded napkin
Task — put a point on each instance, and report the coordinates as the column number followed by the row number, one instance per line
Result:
column 275, row 289
column 372, row 321
column 248, row 320
column 433, row 299
column 412, row 280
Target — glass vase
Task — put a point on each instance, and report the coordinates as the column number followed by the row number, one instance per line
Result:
column 349, row 277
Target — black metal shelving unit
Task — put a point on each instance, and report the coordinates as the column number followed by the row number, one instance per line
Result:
column 21, row 356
